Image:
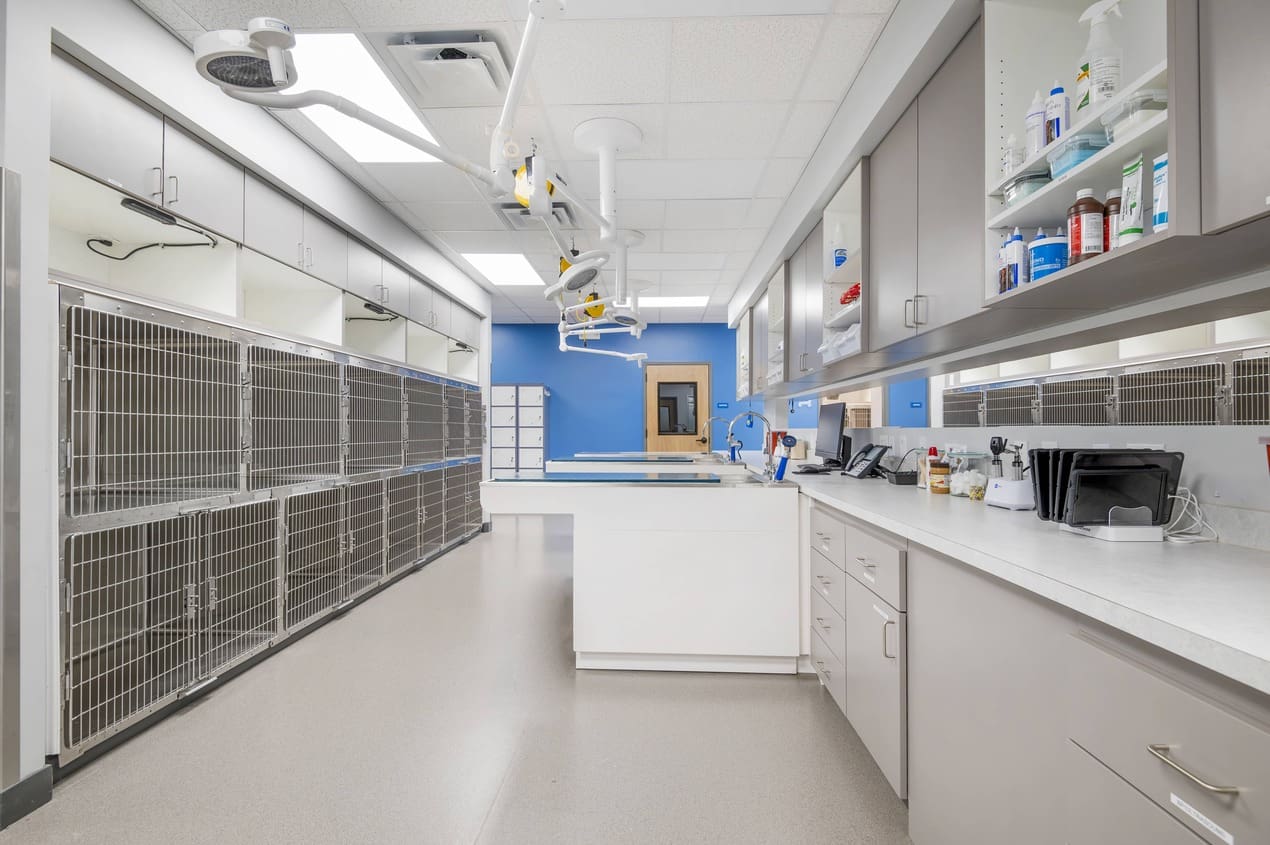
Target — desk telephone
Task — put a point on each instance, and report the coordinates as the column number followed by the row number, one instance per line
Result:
column 864, row 464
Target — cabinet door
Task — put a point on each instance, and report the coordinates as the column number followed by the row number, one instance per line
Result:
column 200, row 185
column 796, row 315
column 758, row 344
column 1234, row 123
column 128, row 156
column 950, row 142
column 465, row 325
column 273, row 223
column 396, row 290
column 420, row 302
column 876, row 683
column 325, row 250
column 893, row 233
column 986, row 713
column 441, row 314
column 814, row 297
column 777, row 327
column 1102, row 807
column 365, row 272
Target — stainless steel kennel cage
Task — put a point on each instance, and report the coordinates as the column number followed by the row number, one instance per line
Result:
column 223, row 488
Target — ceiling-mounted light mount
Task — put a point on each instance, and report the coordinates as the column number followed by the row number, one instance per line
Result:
column 257, row 59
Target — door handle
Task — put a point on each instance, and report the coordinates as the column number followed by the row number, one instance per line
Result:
column 1161, row 753
column 308, row 256
column 176, row 189
column 213, row 594
column 866, row 563
column 884, row 651
column 156, row 183
column 917, row 309
column 908, row 322
column 299, row 253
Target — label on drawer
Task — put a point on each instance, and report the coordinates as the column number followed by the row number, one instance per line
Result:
column 1212, row 826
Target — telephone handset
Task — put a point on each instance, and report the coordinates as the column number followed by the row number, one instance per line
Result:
column 864, row 464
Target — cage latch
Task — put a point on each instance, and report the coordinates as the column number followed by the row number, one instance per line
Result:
column 213, row 594
column 191, row 601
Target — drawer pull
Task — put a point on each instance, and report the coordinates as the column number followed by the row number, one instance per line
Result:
column 822, row 579
column 1161, row 753
column 821, row 622
column 865, row 563
column 821, row 664
column 884, row 651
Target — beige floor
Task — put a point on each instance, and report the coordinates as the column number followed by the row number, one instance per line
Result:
column 447, row 710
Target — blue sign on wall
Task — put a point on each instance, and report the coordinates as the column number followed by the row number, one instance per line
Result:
column 906, row 403
column 720, row 405
column 916, row 404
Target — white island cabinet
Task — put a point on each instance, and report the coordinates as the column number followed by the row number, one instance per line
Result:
column 673, row 572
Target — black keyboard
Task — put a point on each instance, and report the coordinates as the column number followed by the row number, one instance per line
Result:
column 812, row 469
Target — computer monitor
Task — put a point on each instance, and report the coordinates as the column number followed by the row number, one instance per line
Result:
column 829, row 433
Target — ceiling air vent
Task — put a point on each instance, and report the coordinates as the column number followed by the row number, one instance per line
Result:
column 516, row 217
column 450, row 69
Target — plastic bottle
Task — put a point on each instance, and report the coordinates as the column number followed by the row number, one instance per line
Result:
column 1034, row 125
column 1046, row 254
column 1098, row 77
column 1058, row 117
column 1084, row 221
column 1011, row 156
column 1160, row 193
column 1003, row 279
column 1111, row 220
column 1016, row 260
column 839, row 245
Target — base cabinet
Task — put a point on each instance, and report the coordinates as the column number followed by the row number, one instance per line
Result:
column 876, row 684
column 1104, row 808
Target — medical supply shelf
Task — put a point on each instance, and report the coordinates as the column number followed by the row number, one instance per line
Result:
column 518, row 427
column 223, row 489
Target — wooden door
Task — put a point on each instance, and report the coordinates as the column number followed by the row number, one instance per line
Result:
column 676, row 406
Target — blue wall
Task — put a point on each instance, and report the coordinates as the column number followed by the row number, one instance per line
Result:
column 901, row 397
column 597, row 403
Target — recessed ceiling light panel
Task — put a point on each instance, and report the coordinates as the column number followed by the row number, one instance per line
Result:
column 505, row 269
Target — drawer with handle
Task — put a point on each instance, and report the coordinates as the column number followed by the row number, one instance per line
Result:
column 830, row 625
column 878, row 563
column 828, row 536
column 1206, row 766
column 830, row 669
column 1100, row 807
column 829, row 582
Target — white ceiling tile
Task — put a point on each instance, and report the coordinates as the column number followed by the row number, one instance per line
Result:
column 448, row 216
column 690, row 277
column 171, row 14
column 697, row 240
column 762, row 212
column 864, row 7
column 626, row 10
column 189, row 36
column 301, row 14
column 524, row 242
column 723, row 130
column 747, row 240
column 804, row 129
column 667, row 289
column 764, row 57
column 706, row 214
column 843, row 49
column 432, row 182
column 675, row 261
column 682, row 179
column 779, row 177
column 649, row 117
column 603, row 61
column 739, row 260
column 424, row 14
column 641, row 214
column 652, row 242
column 467, row 131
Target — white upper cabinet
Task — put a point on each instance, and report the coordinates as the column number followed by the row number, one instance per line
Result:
column 128, row 156
column 419, row 306
column 201, row 185
column 273, row 223
column 441, row 313
column 365, row 272
column 325, row 250
column 395, row 290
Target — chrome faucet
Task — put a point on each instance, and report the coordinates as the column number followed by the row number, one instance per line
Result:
column 767, row 437
column 704, row 440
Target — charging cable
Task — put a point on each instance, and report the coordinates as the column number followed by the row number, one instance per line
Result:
column 1189, row 526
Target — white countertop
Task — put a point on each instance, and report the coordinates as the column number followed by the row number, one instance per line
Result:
column 1206, row 602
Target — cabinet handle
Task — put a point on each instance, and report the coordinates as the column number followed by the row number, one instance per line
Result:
column 866, row 563
column 884, row 651
column 820, row 533
column 176, row 189
column 917, row 310
column 1161, row 753
column 384, row 289
column 821, row 664
column 821, row 622
column 908, row 323
column 156, row 183
column 299, row 253
column 308, row 256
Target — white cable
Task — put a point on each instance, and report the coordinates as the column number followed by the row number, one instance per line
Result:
column 1197, row 529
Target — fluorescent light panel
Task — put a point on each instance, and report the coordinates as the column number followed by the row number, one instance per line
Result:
column 339, row 63
column 505, row 269
column 673, row 301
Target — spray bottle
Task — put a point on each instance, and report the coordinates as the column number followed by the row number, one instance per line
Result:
column 1098, row 78
column 787, row 442
column 1034, row 125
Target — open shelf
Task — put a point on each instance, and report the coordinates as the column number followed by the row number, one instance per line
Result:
column 1048, row 206
column 846, row 316
column 1156, row 77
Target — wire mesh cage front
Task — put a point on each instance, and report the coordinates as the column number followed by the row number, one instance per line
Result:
column 295, row 418
column 474, row 516
column 240, row 582
column 1186, row 395
column 366, row 529
column 1014, row 405
column 433, row 510
column 455, row 502
column 425, row 435
column 404, row 518
column 1078, row 401
column 475, row 423
column 455, row 422
column 374, row 419
column 153, row 413
column 129, row 624
column 961, row 408
column 314, row 554
column 1250, row 391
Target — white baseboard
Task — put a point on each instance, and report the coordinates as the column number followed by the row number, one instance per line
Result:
column 688, row 663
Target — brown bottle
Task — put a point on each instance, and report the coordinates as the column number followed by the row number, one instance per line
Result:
column 1085, row 227
column 1111, row 220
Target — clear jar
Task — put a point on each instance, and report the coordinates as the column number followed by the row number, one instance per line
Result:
column 938, row 480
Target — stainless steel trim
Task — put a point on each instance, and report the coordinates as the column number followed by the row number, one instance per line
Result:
column 1161, row 753
column 917, row 301
column 176, row 190
column 10, row 489
column 908, row 323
